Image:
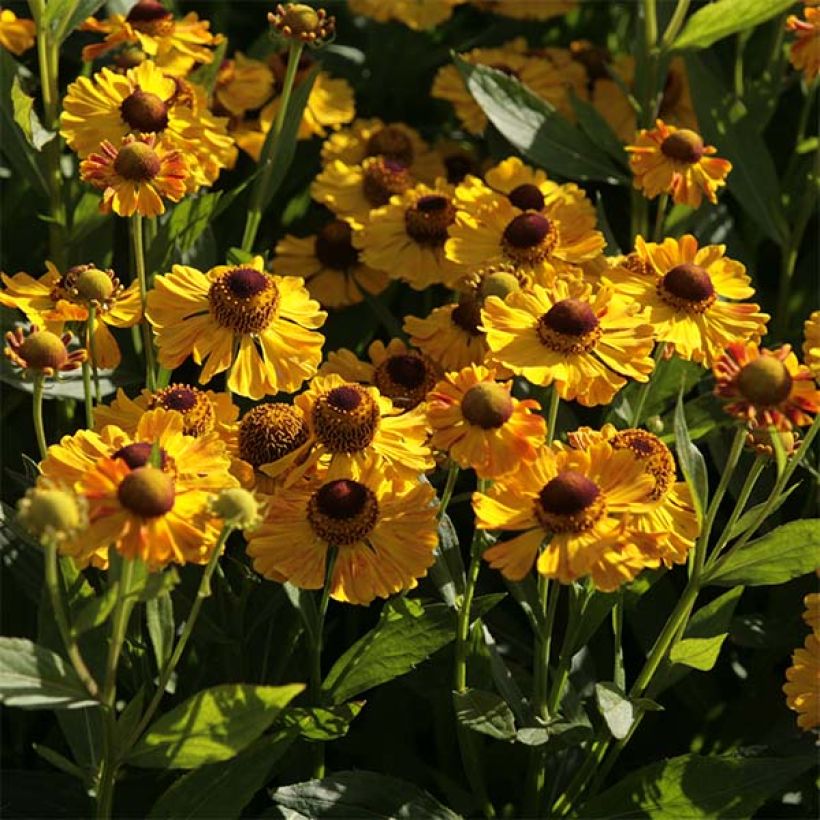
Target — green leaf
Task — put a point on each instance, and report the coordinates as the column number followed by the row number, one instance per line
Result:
column 33, row 677
column 695, row 786
column 599, row 131
column 750, row 516
column 63, row 16
column 213, row 725
column 616, row 709
column 222, row 790
column 26, row 117
column 692, row 463
column 699, row 653
column 784, row 553
column 96, row 611
column 321, row 723
column 485, row 712
column 360, row 794
column 447, row 573
column 59, row 761
column 717, row 20
column 159, row 615
column 536, row 129
column 408, row 633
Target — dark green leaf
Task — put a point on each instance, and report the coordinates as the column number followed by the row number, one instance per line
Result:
column 750, row 516
column 159, row 615
column 484, row 712
column 213, row 725
column 321, row 723
column 26, row 117
column 63, row 16
column 96, row 611
column 692, row 463
column 447, row 573
column 599, row 131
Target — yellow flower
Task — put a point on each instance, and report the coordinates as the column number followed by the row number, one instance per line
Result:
column 136, row 176
column 540, row 76
column 54, row 299
column 271, row 319
column 243, row 84
column 145, row 100
column 479, row 424
column 406, row 237
column 52, row 512
column 330, row 265
column 375, row 138
column 42, row 352
column 573, row 509
column 175, row 45
column 684, row 288
column 811, row 343
column 402, row 374
column 669, row 160
column 543, row 242
column 585, row 343
column 802, row 687
column 811, row 615
column 418, row 15
column 766, row 387
column 351, row 424
column 384, row 537
column 804, row 53
column 527, row 9
column 16, row 33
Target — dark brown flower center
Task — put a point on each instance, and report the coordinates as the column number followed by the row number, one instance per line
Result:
column 593, row 58
column 656, row 456
column 246, row 282
column 428, row 220
column 405, row 378
column 198, row 415
column 527, row 230
column 343, row 512
column 569, row 493
column 684, row 146
column 383, row 178
column 390, row 142
column 527, row 197
column 689, row 282
column 406, row 370
column 334, row 248
column 139, row 454
column 179, row 398
column 147, row 492
column 345, row 418
column 341, row 499
column 345, row 398
column 487, row 405
column 572, row 317
column 147, row 11
column 244, row 300
column 765, row 381
column 269, row 432
column 145, row 112
column 467, row 315
column 137, row 162
column 458, row 166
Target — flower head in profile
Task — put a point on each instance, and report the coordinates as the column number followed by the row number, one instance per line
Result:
column 16, row 33
column 675, row 161
column 687, row 291
column 418, row 15
column 402, row 374
column 271, row 318
column 766, row 387
column 384, row 538
column 572, row 511
column 478, row 423
column 811, row 343
column 41, row 352
column 52, row 512
column 802, row 687
column 331, row 266
column 587, row 343
column 300, row 22
column 804, row 53
column 136, row 176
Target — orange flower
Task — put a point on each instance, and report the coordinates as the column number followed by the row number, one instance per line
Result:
column 804, row 54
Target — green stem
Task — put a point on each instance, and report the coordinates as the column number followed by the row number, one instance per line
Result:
column 639, row 215
column 650, row 21
column 316, row 659
column 559, row 679
column 660, row 217
column 675, row 23
column 740, row 47
column 447, row 492
column 37, row 413
column 254, row 218
column 748, row 485
column 552, row 414
column 646, row 387
column 90, row 329
column 137, row 245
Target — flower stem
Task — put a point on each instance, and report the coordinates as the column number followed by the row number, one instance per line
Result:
column 740, row 505
column 92, row 318
column 37, row 413
column 267, row 160
column 675, row 23
column 449, row 486
column 646, row 387
column 135, row 226
column 660, row 217
column 552, row 414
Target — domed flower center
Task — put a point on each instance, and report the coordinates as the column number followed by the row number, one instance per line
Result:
column 657, row 457
column 688, row 287
column 569, row 326
column 343, row 512
column 129, row 57
column 499, row 284
column 269, row 432
column 683, row 146
column 43, row 350
column 405, row 378
column 244, row 300
column 137, row 162
column 765, row 381
column 458, row 166
column 333, row 246
column 300, row 19
column 427, row 221
column 529, row 238
column 390, row 142
column 487, row 405
column 147, row 492
column 527, row 197
column 139, row 454
column 467, row 315
column 145, row 112
column 198, row 415
column 147, row 11
column 94, row 285
column 50, row 512
column 570, row 502
column 345, row 418
column 383, row 178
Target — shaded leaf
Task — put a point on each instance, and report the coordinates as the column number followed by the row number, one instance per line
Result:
column 484, row 712
column 26, row 117
column 692, row 463
column 63, row 16
column 321, row 723
column 96, row 611
column 159, row 615
column 616, row 709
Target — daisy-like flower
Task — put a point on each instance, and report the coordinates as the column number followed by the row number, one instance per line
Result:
column 384, row 538
column 297, row 21
column 451, row 335
column 136, row 176
column 544, row 238
column 540, row 76
column 351, row 424
column 175, row 45
column 243, row 84
column 42, row 352
column 585, row 343
column 16, row 33
column 406, row 237
column 56, row 298
column 271, row 319
column 802, row 687
column 811, row 343
column 418, row 15
column 374, row 138
column 146, row 101
column 671, row 509
column 804, row 53
column 573, row 510
column 333, row 272
column 460, row 159
column 402, row 374
column 685, row 289
column 480, row 425
column 766, row 387
column 527, row 9
column 675, row 161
